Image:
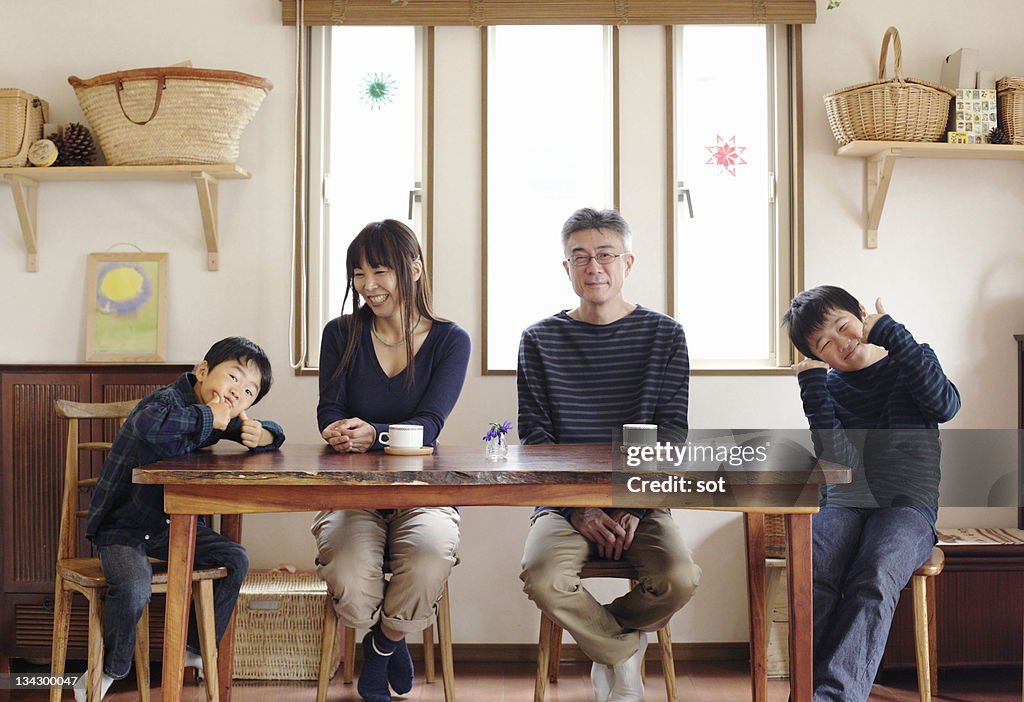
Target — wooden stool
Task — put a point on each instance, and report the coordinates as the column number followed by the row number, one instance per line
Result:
column 550, row 645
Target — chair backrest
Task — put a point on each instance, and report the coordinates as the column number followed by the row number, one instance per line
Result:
column 73, row 481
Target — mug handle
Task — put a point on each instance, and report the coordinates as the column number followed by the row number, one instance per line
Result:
column 384, row 438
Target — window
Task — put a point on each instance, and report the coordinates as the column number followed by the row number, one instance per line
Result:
column 367, row 127
column 731, row 258
column 548, row 152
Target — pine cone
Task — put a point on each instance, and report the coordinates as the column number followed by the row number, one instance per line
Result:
column 78, row 147
column 998, row 136
column 59, row 143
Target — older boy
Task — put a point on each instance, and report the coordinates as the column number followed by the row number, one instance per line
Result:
column 877, row 411
column 127, row 522
column 582, row 374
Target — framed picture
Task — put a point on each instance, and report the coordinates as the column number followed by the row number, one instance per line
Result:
column 126, row 307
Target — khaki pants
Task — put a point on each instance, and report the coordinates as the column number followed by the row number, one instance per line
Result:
column 420, row 544
column 667, row 577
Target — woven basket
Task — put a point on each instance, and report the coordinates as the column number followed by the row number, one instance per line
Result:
column 278, row 629
column 21, row 123
column 1010, row 95
column 160, row 116
column 775, row 536
column 889, row 109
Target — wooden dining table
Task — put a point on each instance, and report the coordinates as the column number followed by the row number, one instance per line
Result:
column 298, row 478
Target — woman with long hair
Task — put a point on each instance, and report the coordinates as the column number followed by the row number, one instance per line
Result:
column 391, row 361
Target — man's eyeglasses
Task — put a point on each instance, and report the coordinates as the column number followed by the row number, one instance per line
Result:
column 604, row 258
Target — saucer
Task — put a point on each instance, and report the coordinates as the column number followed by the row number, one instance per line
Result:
column 421, row 451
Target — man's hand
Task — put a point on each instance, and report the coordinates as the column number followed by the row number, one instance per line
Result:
column 871, row 319
column 629, row 522
column 596, row 526
column 221, row 412
column 253, row 433
column 807, row 364
column 351, row 435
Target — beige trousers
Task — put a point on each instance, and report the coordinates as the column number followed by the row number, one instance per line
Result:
column 667, row 577
column 419, row 544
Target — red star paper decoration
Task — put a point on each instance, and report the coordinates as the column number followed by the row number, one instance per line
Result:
column 726, row 154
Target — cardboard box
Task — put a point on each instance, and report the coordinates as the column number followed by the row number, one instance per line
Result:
column 960, row 69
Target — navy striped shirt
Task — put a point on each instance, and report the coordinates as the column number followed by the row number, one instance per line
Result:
column 882, row 421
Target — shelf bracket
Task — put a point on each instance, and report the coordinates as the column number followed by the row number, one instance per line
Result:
column 877, row 175
column 206, row 187
column 26, row 202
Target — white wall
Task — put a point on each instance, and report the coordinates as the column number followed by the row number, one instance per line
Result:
column 948, row 261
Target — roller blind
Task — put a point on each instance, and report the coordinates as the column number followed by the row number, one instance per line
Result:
column 496, row 12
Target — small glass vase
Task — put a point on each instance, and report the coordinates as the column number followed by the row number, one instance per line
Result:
column 496, row 449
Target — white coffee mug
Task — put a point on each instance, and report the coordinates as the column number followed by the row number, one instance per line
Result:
column 402, row 436
column 639, row 434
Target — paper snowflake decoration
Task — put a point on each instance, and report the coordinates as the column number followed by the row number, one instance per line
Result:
column 378, row 89
column 726, row 154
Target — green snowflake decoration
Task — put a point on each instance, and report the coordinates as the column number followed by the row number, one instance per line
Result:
column 833, row 4
column 378, row 89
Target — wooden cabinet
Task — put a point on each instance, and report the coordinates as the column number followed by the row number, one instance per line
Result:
column 33, row 441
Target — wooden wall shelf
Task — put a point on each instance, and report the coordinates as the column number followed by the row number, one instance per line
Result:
column 880, row 159
column 25, row 182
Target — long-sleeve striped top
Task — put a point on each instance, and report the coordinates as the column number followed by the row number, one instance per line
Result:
column 580, row 382
column 882, row 421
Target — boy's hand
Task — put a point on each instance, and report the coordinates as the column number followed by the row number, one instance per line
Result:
column 807, row 364
column 350, row 435
column 253, row 433
column 221, row 412
column 871, row 319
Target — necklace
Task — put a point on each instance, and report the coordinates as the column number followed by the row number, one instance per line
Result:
column 373, row 328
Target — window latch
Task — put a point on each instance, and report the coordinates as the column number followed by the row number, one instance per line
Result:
column 684, row 196
column 415, row 195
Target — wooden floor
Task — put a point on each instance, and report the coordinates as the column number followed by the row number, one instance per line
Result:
column 513, row 682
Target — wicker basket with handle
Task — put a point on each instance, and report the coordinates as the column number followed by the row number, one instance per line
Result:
column 889, row 109
column 21, row 123
column 1010, row 96
column 174, row 115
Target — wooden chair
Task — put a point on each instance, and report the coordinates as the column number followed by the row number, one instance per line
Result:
column 444, row 638
column 550, row 645
column 83, row 575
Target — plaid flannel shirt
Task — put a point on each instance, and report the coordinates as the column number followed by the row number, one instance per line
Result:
column 166, row 423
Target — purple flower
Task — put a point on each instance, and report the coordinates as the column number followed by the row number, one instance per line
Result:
column 496, row 430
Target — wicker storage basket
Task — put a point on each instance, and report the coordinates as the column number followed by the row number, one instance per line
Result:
column 889, row 109
column 1010, row 96
column 159, row 116
column 21, row 123
column 279, row 625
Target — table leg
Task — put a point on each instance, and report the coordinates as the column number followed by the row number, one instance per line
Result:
column 180, row 557
column 756, row 577
column 801, row 607
column 231, row 527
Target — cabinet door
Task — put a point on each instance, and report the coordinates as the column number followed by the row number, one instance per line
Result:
column 32, row 451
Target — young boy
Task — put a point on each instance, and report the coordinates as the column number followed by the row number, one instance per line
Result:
column 876, row 411
column 127, row 523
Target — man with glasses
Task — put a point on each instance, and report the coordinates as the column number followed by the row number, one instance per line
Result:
column 583, row 374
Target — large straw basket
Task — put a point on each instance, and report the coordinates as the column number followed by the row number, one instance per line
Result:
column 155, row 116
column 889, row 109
column 279, row 626
column 1010, row 95
column 21, row 123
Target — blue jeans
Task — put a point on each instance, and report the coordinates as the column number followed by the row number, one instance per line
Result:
column 129, row 576
column 862, row 559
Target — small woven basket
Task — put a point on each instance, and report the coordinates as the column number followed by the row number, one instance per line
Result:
column 21, row 123
column 164, row 116
column 889, row 109
column 279, row 626
column 1010, row 95
column 775, row 536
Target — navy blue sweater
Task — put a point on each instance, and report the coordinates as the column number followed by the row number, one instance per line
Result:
column 579, row 382
column 365, row 391
column 882, row 421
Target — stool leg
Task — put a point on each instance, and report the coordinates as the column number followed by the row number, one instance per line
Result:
column 142, row 655
column 95, row 656
column 933, row 643
column 203, row 597
column 428, row 650
column 328, row 641
column 924, row 686
column 348, row 673
column 668, row 665
column 61, row 626
column 555, row 656
column 540, row 686
column 444, row 637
